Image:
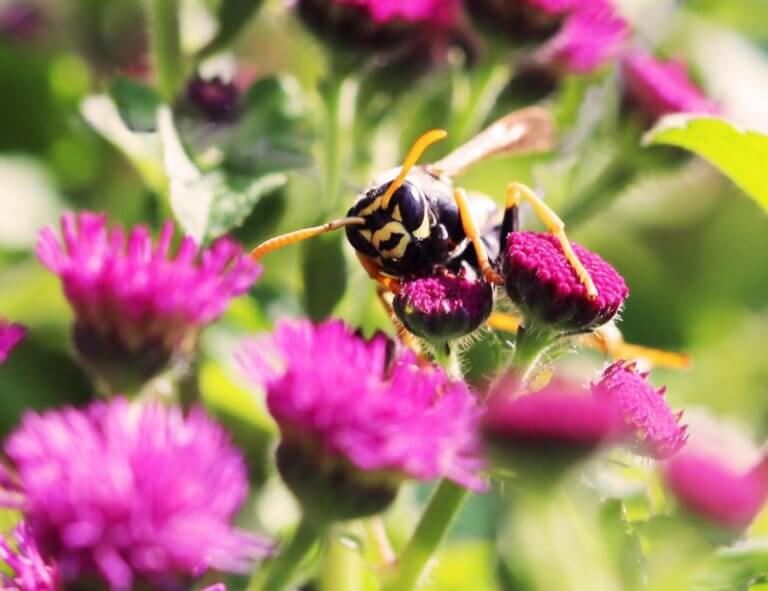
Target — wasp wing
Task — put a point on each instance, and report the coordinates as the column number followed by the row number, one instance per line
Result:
column 526, row 130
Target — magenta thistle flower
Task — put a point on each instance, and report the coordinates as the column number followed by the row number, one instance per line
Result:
column 411, row 11
column 543, row 284
column 716, row 493
column 10, row 336
column 132, row 493
column 136, row 304
column 444, row 306
column 590, row 37
column 550, row 430
column 659, row 87
column 216, row 99
column 658, row 432
column 31, row 572
column 364, row 419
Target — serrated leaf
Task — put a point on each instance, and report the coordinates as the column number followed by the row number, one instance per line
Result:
column 324, row 270
column 137, row 104
column 740, row 154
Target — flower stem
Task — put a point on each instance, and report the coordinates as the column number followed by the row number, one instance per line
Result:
column 443, row 508
column 446, row 355
column 284, row 566
column 343, row 567
column 166, row 47
column 530, row 345
column 331, row 91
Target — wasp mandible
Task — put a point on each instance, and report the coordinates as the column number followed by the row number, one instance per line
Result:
column 412, row 219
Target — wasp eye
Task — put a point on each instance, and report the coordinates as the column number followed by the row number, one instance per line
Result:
column 410, row 202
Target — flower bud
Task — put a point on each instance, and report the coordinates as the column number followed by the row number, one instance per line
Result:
column 444, row 306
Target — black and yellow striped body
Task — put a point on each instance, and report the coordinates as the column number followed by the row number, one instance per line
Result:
column 418, row 230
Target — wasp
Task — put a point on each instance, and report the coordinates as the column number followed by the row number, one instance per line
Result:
column 412, row 219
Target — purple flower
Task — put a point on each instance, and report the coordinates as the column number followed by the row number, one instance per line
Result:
column 414, row 11
column 660, row 87
column 657, row 429
column 135, row 303
column 31, row 572
column 216, row 99
column 590, row 37
column 10, row 336
column 132, row 493
column 540, row 280
column 549, row 430
column 444, row 306
column 339, row 397
column 716, row 493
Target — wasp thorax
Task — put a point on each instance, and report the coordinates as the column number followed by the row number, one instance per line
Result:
column 409, row 232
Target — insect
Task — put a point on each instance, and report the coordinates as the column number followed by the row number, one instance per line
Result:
column 412, row 219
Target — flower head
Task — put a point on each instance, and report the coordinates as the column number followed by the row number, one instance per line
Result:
column 135, row 303
column 31, row 572
column 590, row 37
column 412, row 11
column 443, row 306
column 549, row 430
column 10, row 336
column 540, row 280
column 658, row 432
column 360, row 414
column 714, row 492
column 214, row 98
column 660, row 87
column 132, row 494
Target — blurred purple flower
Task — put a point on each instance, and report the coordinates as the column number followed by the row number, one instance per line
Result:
column 215, row 98
column 540, row 280
column 10, row 336
column 337, row 393
column 712, row 491
column 591, row 36
column 132, row 493
column 657, row 429
column 440, row 12
column 659, row 87
column 31, row 572
column 444, row 306
column 135, row 303
column 22, row 21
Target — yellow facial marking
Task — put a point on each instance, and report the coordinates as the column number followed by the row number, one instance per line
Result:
column 423, row 231
column 385, row 233
column 396, row 213
column 374, row 206
column 366, row 234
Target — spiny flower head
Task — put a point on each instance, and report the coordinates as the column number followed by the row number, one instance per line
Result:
column 658, row 432
column 444, row 306
column 215, row 98
column 542, row 282
column 10, row 336
column 712, row 491
column 550, row 430
column 341, row 398
column 132, row 493
column 589, row 38
column 31, row 572
column 659, row 87
column 136, row 303
column 414, row 11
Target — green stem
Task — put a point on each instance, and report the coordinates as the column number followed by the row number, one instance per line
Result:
column 447, row 356
column 331, row 91
column 442, row 509
column 530, row 345
column 343, row 567
column 284, row 566
column 166, row 47
column 601, row 193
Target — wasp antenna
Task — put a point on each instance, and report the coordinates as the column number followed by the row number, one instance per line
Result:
column 417, row 149
column 299, row 235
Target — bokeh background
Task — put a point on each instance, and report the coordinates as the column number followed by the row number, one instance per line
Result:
column 692, row 247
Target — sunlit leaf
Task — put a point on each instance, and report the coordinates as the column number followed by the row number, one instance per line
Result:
column 739, row 154
column 232, row 15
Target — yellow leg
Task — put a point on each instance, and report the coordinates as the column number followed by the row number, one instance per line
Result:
column 504, row 322
column 298, row 235
column 555, row 225
column 388, row 283
column 470, row 229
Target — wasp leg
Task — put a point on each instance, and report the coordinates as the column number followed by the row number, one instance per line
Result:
column 610, row 341
column 299, row 235
column 555, row 225
column 470, row 229
column 370, row 266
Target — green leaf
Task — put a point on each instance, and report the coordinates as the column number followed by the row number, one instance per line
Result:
column 232, row 15
column 324, row 270
column 137, row 104
column 739, row 154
